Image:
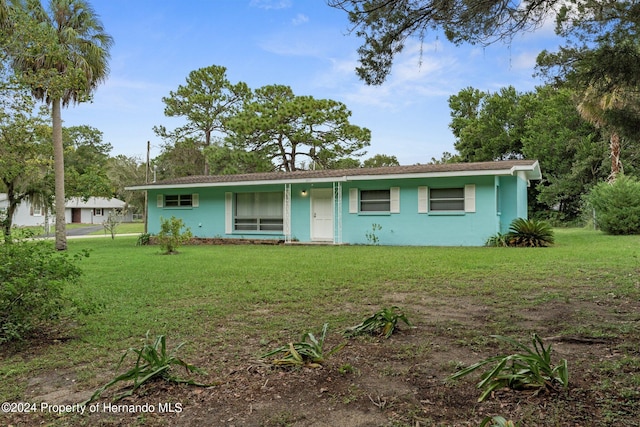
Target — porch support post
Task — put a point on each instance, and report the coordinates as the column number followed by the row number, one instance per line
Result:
column 286, row 220
column 337, row 213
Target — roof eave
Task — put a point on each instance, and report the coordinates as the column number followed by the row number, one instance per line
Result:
column 532, row 172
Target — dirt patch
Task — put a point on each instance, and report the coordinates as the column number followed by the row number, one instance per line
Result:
column 400, row 381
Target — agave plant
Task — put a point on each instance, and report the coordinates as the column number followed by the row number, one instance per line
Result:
column 529, row 370
column 152, row 362
column 383, row 322
column 309, row 351
column 529, row 233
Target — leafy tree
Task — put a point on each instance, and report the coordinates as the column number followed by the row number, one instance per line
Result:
column 226, row 160
column 183, row 157
column 85, row 162
column 23, row 154
column 123, row 171
column 487, row 126
column 380, row 160
column 207, row 101
column 171, row 236
column 285, row 127
column 62, row 54
column 386, row 25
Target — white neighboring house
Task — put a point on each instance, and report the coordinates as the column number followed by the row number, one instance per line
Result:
column 95, row 210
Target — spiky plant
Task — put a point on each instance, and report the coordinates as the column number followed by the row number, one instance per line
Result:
column 309, row 351
column 383, row 322
column 152, row 362
column 529, row 233
column 530, row 369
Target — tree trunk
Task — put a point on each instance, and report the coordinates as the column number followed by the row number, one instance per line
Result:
column 8, row 222
column 616, row 164
column 58, row 161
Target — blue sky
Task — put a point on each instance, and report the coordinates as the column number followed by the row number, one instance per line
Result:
column 303, row 44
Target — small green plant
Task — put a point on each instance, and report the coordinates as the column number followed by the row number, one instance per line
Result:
column 171, row 236
column 497, row 240
column 152, row 362
column 524, row 233
column 529, row 233
column 383, row 322
column 144, row 239
column 531, row 369
column 308, row 352
column 372, row 237
column 496, row 421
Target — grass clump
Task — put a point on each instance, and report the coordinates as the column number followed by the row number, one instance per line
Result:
column 529, row 370
column 383, row 323
column 152, row 362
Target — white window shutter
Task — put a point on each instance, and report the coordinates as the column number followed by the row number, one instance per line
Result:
column 423, row 199
column 470, row 198
column 394, row 194
column 159, row 201
column 195, row 200
column 353, row 200
column 228, row 213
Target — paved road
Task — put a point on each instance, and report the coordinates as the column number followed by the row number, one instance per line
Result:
column 83, row 231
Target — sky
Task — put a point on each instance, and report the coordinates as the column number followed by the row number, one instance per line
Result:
column 304, row 44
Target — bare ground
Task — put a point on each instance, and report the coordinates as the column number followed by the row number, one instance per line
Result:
column 393, row 382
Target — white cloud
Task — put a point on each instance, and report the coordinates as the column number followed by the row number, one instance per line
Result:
column 300, row 19
column 271, row 4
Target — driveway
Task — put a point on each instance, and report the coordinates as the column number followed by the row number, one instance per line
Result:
column 83, row 231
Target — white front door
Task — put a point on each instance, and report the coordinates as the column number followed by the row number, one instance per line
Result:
column 322, row 214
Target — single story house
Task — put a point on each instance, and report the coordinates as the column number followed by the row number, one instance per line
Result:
column 460, row 204
column 92, row 211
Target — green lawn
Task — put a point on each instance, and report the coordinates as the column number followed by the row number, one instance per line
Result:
column 221, row 298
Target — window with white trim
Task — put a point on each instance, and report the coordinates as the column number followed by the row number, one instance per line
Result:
column 446, row 199
column 37, row 209
column 178, row 200
column 375, row 200
column 258, row 211
column 98, row 212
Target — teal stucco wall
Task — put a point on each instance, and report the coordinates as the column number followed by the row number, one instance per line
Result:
column 498, row 200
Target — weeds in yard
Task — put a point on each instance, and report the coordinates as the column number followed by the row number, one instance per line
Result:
column 309, row 351
column 152, row 362
column 383, row 322
column 531, row 369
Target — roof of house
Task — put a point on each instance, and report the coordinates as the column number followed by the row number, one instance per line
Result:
column 530, row 169
column 94, row 202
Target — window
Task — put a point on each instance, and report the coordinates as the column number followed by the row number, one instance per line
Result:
column 446, row 199
column 259, row 212
column 178, row 200
column 37, row 209
column 98, row 212
column 375, row 201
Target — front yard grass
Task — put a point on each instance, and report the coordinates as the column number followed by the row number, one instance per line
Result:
column 231, row 303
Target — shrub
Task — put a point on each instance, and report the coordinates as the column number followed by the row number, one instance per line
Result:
column 32, row 281
column 524, row 233
column 171, row 236
column 616, row 205
column 383, row 322
column 530, row 369
column 144, row 239
column 529, row 233
column 152, row 362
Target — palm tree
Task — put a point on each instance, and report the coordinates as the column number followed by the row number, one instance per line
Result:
column 593, row 107
column 63, row 59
